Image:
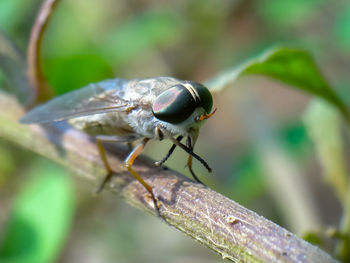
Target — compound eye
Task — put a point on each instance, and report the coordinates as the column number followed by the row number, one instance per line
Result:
column 206, row 100
column 174, row 105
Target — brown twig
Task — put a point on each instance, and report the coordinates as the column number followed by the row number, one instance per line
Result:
column 35, row 72
column 231, row 230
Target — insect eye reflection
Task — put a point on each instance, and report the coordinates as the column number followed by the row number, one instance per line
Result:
column 174, row 105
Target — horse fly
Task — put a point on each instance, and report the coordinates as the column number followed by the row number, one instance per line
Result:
column 119, row 110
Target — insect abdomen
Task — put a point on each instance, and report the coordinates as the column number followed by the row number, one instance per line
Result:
column 103, row 124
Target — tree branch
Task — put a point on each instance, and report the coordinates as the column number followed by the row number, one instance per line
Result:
column 221, row 224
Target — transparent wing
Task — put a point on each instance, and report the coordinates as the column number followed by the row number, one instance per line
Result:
column 104, row 96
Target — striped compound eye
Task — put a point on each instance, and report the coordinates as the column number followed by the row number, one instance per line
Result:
column 177, row 103
column 204, row 98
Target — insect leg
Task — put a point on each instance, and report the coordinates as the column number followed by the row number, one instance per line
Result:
column 170, row 152
column 99, row 140
column 129, row 162
column 189, row 160
column 106, row 164
column 189, row 151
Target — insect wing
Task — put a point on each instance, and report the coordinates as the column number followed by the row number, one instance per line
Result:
column 104, row 96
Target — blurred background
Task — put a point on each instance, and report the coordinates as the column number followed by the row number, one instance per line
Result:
column 257, row 143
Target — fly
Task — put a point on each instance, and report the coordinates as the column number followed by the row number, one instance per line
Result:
column 119, row 110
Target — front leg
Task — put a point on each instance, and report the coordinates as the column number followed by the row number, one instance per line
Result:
column 190, row 145
column 189, row 151
column 170, row 152
column 186, row 149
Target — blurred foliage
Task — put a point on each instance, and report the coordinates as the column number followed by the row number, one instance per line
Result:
column 40, row 218
column 294, row 12
column 313, row 238
column 88, row 41
column 342, row 29
column 248, row 171
column 7, row 164
column 290, row 66
column 323, row 125
column 13, row 66
column 91, row 61
column 151, row 29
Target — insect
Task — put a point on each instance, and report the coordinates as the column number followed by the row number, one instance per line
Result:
column 119, row 110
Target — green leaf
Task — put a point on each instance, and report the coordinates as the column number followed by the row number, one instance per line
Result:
column 294, row 67
column 323, row 124
column 41, row 218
